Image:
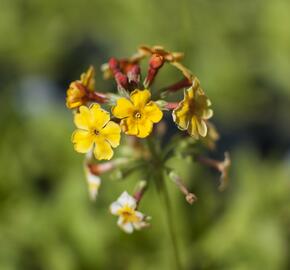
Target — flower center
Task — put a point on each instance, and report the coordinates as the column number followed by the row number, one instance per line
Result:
column 96, row 132
column 137, row 115
column 128, row 214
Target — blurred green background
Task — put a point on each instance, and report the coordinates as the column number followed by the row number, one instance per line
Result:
column 240, row 50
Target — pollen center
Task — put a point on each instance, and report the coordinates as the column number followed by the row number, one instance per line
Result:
column 128, row 214
column 137, row 115
column 96, row 132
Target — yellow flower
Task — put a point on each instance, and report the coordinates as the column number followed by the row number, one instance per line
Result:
column 77, row 92
column 192, row 112
column 137, row 113
column 95, row 130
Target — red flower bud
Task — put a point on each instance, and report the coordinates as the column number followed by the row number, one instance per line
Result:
column 121, row 79
column 113, row 64
column 156, row 61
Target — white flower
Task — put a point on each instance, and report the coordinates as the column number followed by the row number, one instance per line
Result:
column 129, row 218
column 94, row 183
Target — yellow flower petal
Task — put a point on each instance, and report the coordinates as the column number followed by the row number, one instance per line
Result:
column 207, row 114
column 74, row 92
column 88, row 78
column 130, row 126
column 181, row 116
column 82, row 140
column 75, row 97
column 103, row 149
column 99, row 117
column 201, row 127
column 111, row 133
column 123, row 108
column 192, row 128
column 71, row 104
column 82, row 119
column 189, row 93
column 144, row 128
column 91, row 118
column 140, row 98
column 153, row 112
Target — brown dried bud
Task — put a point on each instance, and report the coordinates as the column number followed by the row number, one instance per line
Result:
column 190, row 198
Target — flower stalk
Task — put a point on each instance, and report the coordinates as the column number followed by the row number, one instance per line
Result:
column 177, row 86
column 189, row 196
column 139, row 191
column 159, row 180
column 169, row 217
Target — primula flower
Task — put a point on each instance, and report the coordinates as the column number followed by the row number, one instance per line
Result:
column 137, row 113
column 95, row 130
column 192, row 112
column 129, row 218
column 76, row 94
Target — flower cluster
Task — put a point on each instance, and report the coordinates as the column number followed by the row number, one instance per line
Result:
column 134, row 109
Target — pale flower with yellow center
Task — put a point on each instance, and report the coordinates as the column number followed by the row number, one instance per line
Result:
column 95, row 130
column 138, row 113
column 129, row 218
column 193, row 111
column 77, row 92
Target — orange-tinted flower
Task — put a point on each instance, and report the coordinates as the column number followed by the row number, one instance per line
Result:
column 77, row 92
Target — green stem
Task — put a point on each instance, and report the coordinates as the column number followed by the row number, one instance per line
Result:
column 159, row 180
column 169, row 217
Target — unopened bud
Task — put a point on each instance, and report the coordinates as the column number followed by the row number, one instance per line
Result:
column 113, row 64
column 121, row 79
column 156, row 61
